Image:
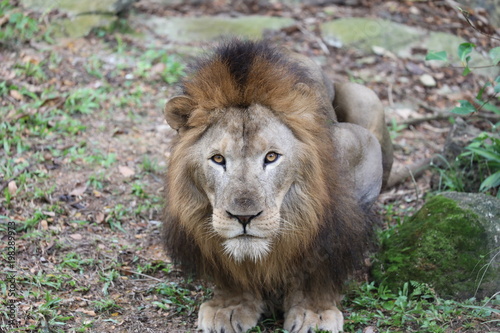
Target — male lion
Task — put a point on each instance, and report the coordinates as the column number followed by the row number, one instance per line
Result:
column 268, row 187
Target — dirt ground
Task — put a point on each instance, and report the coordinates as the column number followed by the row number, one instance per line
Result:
column 85, row 187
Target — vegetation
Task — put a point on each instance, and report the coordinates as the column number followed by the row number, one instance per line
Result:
column 477, row 169
column 80, row 171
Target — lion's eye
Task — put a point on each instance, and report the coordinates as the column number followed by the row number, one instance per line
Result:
column 218, row 159
column 271, row 157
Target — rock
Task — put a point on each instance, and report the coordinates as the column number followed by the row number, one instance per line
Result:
column 82, row 15
column 364, row 33
column 452, row 243
column 80, row 7
column 427, row 80
column 204, row 28
column 369, row 34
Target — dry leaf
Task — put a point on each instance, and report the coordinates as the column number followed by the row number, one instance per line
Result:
column 76, row 236
column 16, row 95
column 12, row 188
column 126, row 171
column 87, row 312
column 99, row 217
column 44, row 225
column 3, row 20
column 31, row 60
column 79, row 189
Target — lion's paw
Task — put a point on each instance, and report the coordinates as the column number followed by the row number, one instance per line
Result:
column 217, row 317
column 299, row 319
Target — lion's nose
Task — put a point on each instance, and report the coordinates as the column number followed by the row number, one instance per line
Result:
column 244, row 220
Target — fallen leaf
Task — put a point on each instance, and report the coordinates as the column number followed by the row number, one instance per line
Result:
column 44, row 225
column 12, row 188
column 3, row 20
column 369, row 329
column 31, row 60
column 76, row 236
column 126, row 171
column 87, row 312
column 99, row 217
column 79, row 189
column 16, row 95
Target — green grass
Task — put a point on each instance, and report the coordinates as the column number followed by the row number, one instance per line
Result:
column 175, row 297
column 414, row 308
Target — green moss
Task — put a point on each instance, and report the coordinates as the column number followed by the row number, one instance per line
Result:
column 442, row 245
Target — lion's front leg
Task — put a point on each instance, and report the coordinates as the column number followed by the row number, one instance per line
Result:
column 230, row 312
column 304, row 314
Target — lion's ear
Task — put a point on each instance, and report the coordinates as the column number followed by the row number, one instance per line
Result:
column 303, row 88
column 177, row 111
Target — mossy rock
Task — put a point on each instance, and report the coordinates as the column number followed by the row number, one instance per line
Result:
column 452, row 243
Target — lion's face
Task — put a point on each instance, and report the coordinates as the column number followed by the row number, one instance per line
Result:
column 248, row 161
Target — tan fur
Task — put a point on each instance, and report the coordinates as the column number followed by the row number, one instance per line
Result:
column 337, row 173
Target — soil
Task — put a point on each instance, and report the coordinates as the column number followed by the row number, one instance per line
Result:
column 108, row 213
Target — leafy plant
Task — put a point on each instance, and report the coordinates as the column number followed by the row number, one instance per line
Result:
column 486, row 149
column 414, row 308
column 175, row 297
column 84, row 100
column 466, row 107
column 19, row 27
column 105, row 305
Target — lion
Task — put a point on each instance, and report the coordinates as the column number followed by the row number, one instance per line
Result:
column 269, row 185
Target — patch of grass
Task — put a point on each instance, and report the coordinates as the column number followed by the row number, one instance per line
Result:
column 108, row 279
column 153, row 267
column 19, row 27
column 177, row 298
column 48, row 314
column 116, row 215
column 74, row 262
column 395, row 129
column 105, row 305
column 31, row 69
column 97, row 180
column 477, row 169
column 30, row 223
column 170, row 68
column 149, row 165
column 415, row 308
column 83, row 100
column 138, row 191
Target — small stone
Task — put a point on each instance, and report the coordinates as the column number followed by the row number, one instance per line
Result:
column 427, row 80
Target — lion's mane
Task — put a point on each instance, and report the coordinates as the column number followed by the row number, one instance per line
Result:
column 333, row 230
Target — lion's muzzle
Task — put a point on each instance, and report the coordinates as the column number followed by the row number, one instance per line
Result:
column 244, row 220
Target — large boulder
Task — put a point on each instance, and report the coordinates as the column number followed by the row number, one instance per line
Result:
column 82, row 16
column 452, row 243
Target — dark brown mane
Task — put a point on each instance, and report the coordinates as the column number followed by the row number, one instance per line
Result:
column 241, row 74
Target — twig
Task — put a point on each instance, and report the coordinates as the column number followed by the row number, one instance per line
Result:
column 147, row 276
column 455, row 5
column 416, row 121
column 425, row 105
column 389, row 95
column 440, row 115
column 415, row 170
column 318, row 40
